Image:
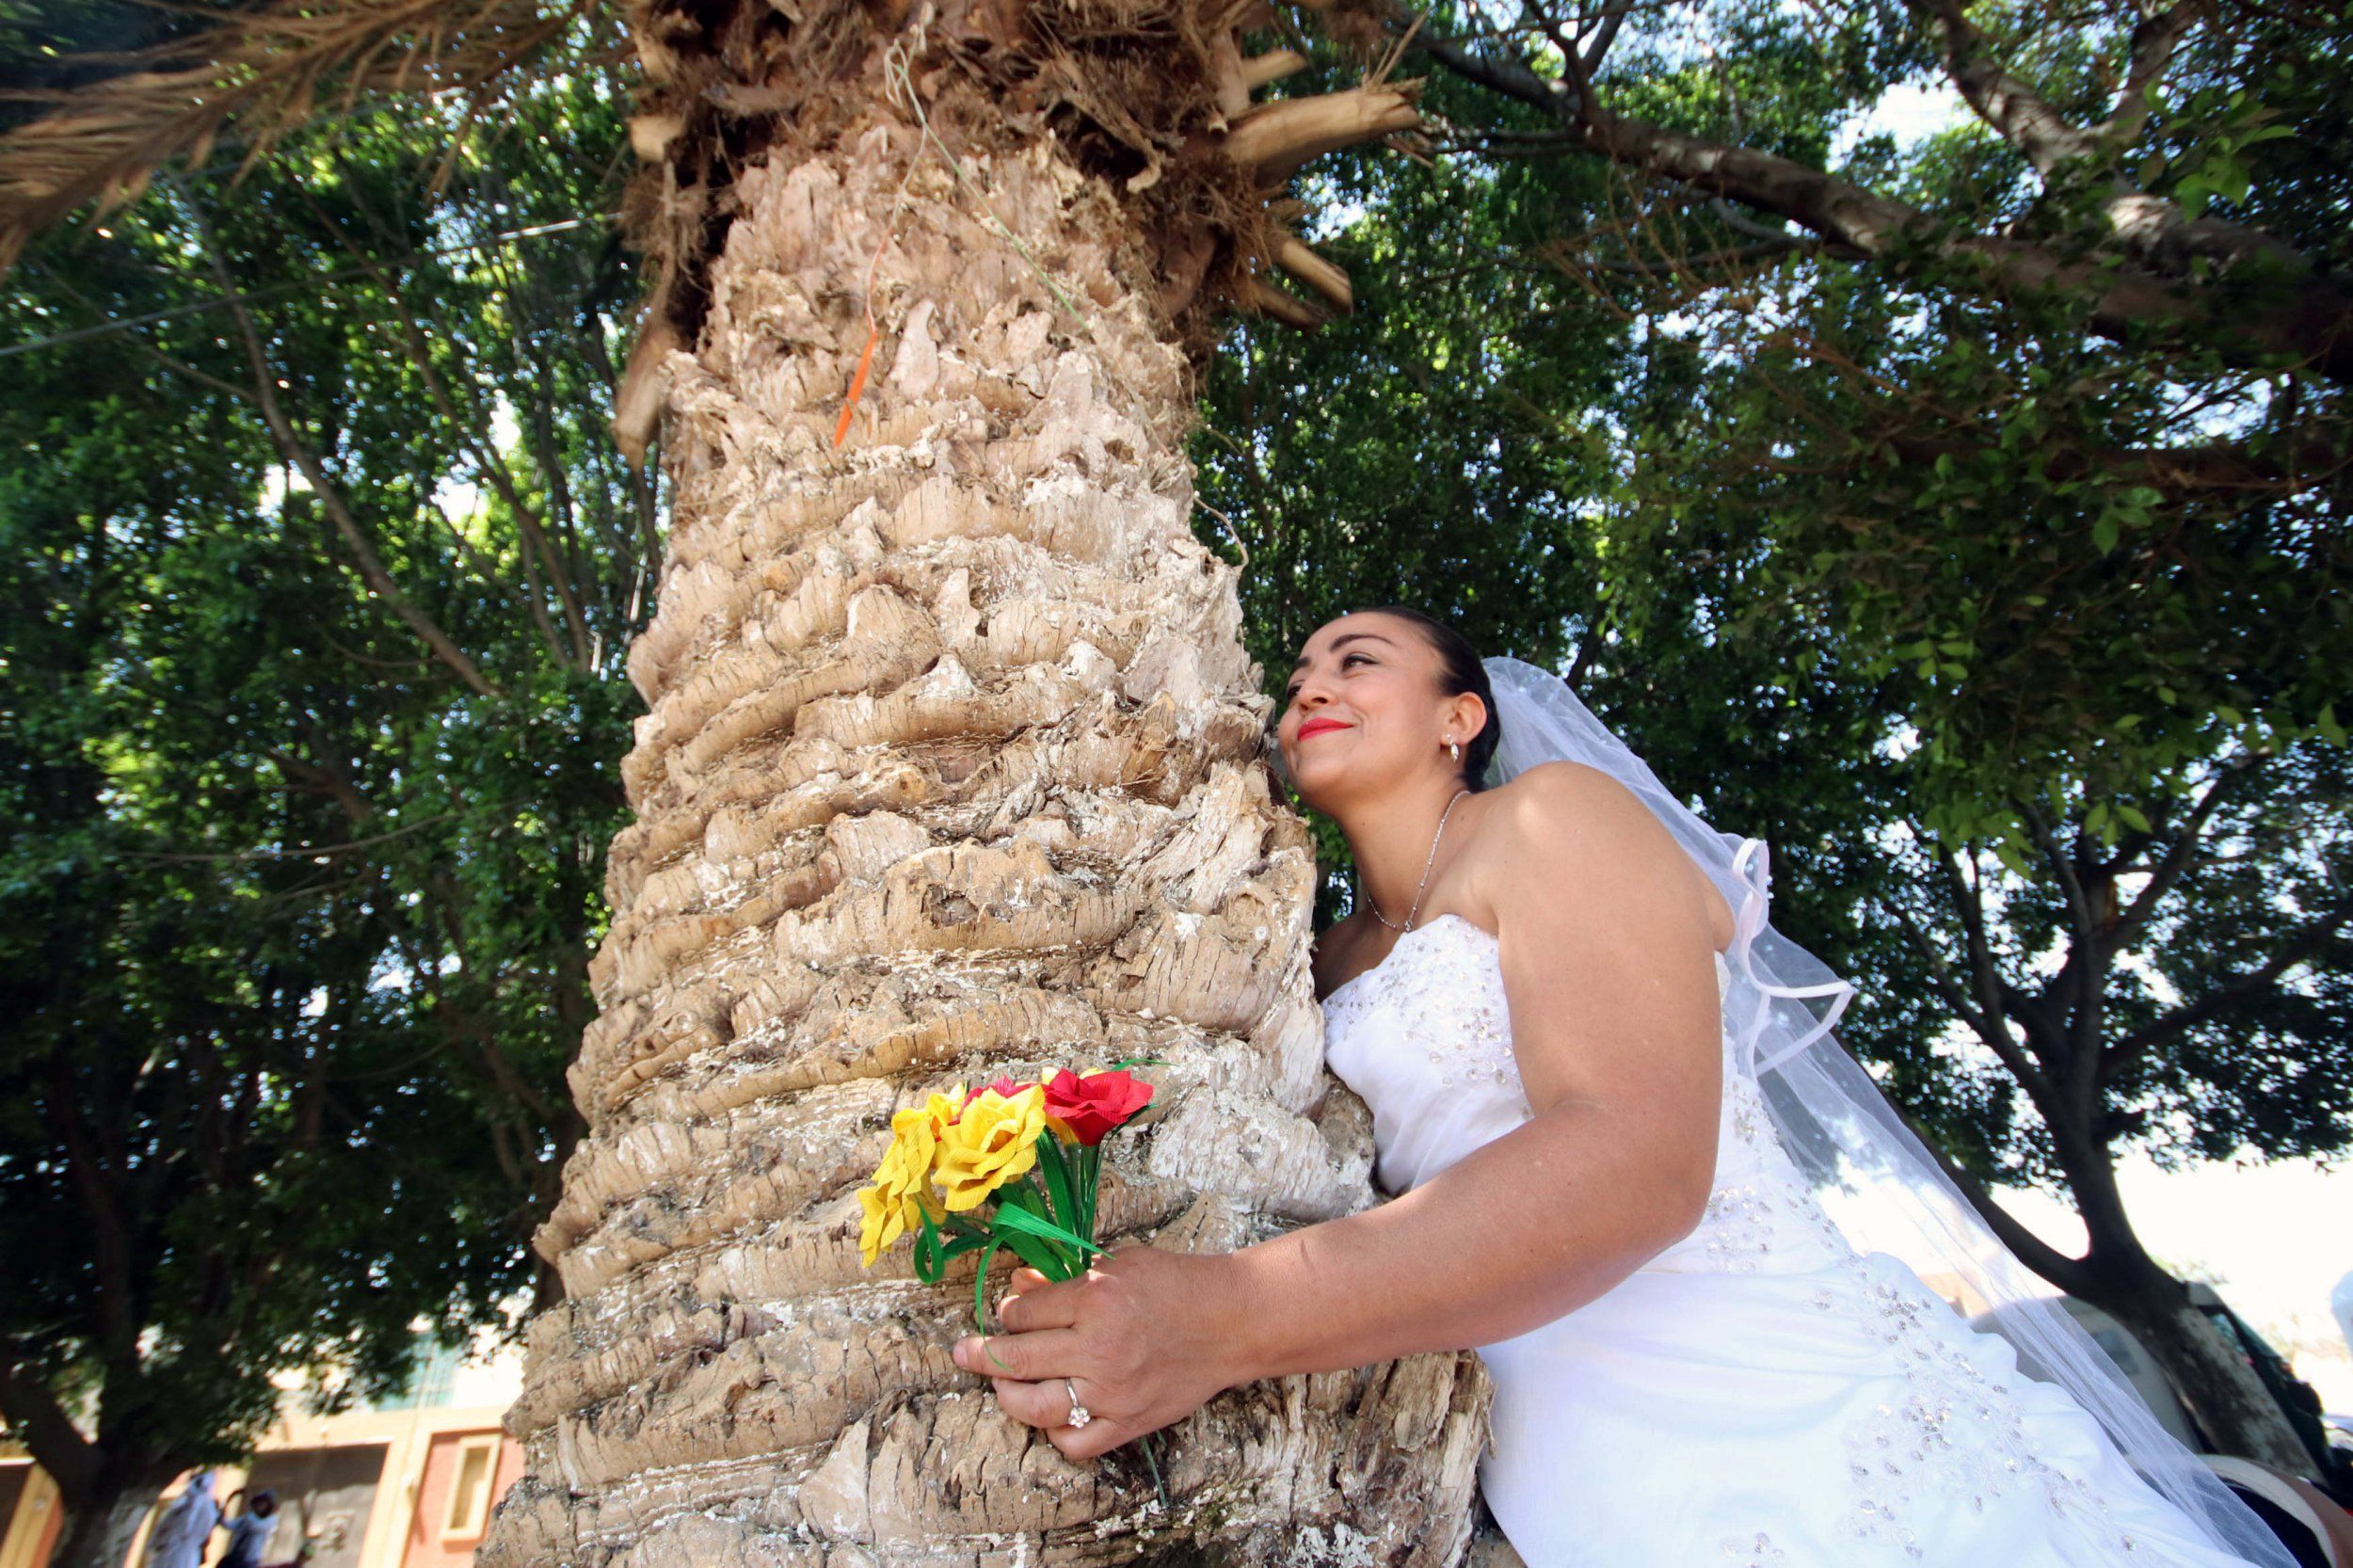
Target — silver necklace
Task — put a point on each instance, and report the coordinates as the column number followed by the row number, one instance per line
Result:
column 1425, row 874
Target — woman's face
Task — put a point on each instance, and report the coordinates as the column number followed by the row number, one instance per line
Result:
column 1367, row 710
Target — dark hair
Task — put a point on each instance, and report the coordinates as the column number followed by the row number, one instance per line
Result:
column 1459, row 671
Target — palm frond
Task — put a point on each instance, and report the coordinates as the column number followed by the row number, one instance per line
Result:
column 262, row 71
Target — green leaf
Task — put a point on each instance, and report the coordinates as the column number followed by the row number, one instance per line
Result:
column 1056, row 1171
column 1034, row 1251
column 980, row 1288
column 1090, row 1185
column 1022, row 1222
column 930, row 1262
column 2133, row 818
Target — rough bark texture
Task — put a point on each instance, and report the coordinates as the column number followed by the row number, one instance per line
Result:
column 2209, row 1373
column 2229, row 1402
column 951, row 770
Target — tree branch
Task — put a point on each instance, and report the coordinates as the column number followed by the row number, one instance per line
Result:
column 2068, row 1273
column 36, row 1419
column 1602, row 37
column 2083, row 971
column 301, row 852
column 111, row 1246
column 326, row 781
column 2216, row 466
column 295, row 450
column 2232, row 994
column 2155, row 39
column 1992, row 1028
column 1940, row 972
column 2063, row 867
column 2012, row 108
column 2169, row 871
column 493, row 471
column 2308, row 320
column 1968, row 903
column 1511, row 77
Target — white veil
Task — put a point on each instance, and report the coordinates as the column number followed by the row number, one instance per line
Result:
column 1841, row 1131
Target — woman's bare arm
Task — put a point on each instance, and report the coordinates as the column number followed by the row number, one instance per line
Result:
column 1605, row 942
column 1609, row 970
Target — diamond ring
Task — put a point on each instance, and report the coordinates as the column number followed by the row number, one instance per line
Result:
column 1079, row 1415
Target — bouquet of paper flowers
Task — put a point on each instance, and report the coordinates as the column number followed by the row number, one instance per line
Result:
column 1012, row 1165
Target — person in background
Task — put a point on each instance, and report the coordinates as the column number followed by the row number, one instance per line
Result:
column 249, row 1536
column 187, row 1522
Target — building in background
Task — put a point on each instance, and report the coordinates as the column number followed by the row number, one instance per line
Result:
column 406, row 1482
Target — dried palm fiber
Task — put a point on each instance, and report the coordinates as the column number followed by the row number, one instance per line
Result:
column 948, row 771
column 951, row 768
column 266, row 69
column 1149, row 98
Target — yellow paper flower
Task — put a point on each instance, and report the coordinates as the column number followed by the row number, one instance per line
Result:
column 901, row 1191
column 938, row 1113
column 886, row 1221
column 994, row 1142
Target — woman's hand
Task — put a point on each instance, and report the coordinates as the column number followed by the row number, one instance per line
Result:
column 1147, row 1335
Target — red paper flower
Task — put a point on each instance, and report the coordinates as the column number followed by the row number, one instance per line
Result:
column 1095, row 1104
column 1004, row 1088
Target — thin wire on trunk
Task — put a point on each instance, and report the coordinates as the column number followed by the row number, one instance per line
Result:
column 893, row 61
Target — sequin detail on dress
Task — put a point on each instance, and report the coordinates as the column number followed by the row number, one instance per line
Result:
column 1454, row 958
column 1955, row 1434
column 1755, row 1393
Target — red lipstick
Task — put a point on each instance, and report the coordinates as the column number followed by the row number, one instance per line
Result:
column 1319, row 725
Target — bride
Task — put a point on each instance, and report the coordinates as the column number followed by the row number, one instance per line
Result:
column 1611, row 1121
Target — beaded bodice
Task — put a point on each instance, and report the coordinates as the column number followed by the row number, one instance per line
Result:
column 1425, row 1037
column 1930, row 1412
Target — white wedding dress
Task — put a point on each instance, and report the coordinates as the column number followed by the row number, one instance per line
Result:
column 1757, row 1393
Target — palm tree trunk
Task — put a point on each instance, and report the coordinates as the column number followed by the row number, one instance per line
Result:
column 951, row 770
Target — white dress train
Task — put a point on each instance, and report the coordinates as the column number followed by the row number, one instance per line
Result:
column 1756, row 1394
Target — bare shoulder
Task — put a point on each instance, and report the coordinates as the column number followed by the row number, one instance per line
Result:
column 1563, row 825
column 1557, row 805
